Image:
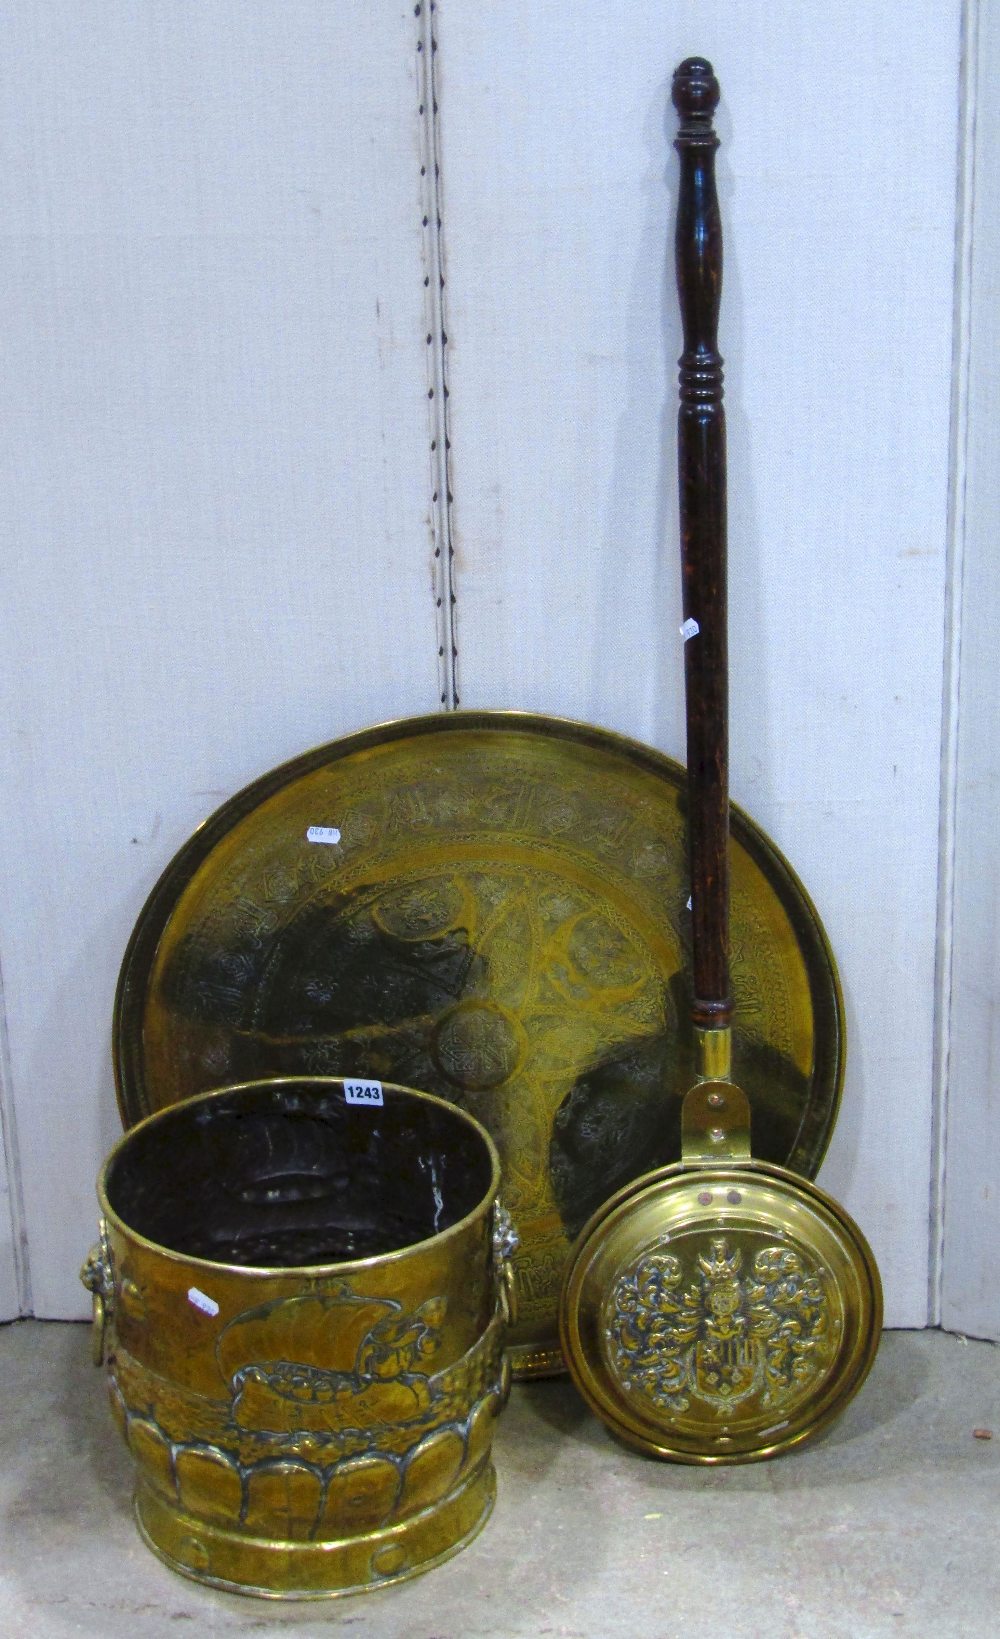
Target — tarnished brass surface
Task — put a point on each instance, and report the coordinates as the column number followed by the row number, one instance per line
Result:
column 720, row 1311
column 302, row 1425
column 504, row 922
column 322, row 1569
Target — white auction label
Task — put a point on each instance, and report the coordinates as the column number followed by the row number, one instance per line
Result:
column 363, row 1092
column 690, row 628
column 322, row 833
column 207, row 1305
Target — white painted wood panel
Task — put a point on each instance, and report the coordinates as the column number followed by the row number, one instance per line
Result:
column 837, row 177
column 10, row 1305
column 214, row 478
column 12, row 1291
column 970, row 1295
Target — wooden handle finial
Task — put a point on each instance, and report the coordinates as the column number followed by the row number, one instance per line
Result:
column 696, row 96
column 701, row 449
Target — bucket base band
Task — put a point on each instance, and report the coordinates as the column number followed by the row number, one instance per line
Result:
column 273, row 1569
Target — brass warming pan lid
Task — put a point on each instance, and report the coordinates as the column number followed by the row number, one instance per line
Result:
column 720, row 1310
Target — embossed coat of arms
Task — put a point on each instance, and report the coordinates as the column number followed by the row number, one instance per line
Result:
column 693, row 1331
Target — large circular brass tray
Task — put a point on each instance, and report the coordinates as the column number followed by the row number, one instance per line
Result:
column 491, row 906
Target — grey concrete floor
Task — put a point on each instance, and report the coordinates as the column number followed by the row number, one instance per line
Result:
column 888, row 1525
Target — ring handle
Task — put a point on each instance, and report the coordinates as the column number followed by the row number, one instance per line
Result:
column 98, row 1277
column 505, row 1243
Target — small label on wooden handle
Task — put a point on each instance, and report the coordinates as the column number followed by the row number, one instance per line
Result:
column 690, row 628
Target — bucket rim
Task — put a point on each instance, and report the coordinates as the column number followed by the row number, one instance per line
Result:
column 339, row 1267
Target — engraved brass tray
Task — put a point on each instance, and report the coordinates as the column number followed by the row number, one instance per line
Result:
column 502, row 920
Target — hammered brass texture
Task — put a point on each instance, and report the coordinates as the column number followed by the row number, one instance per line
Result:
column 503, row 921
column 721, row 1314
column 304, row 1429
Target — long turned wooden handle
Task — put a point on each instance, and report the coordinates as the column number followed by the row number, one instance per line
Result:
column 701, row 451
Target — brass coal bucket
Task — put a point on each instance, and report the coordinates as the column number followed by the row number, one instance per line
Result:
column 301, row 1296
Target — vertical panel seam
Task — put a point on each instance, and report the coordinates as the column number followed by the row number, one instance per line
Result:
column 951, row 682
column 15, row 1187
column 443, row 578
